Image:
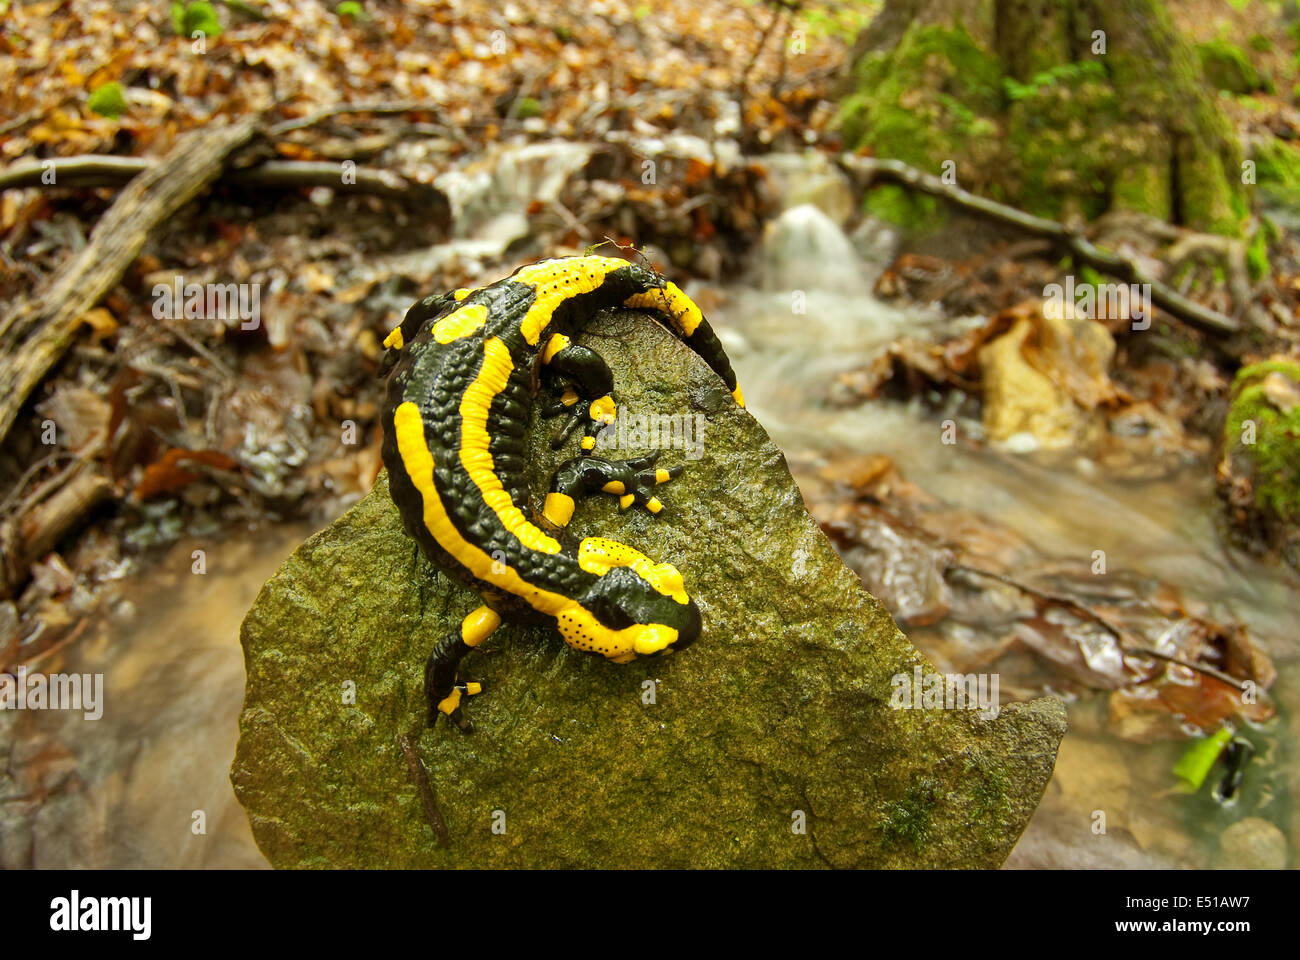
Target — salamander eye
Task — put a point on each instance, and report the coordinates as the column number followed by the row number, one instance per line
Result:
column 606, row 609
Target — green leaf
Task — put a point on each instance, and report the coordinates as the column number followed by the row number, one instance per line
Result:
column 107, row 100
column 197, row 18
column 350, row 8
column 178, row 19
column 1194, row 765
column 527, row 108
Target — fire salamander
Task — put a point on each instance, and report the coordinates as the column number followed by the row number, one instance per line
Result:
column 463, row 371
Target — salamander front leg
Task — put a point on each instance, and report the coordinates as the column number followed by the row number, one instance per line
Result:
column 632, row 481
column 587, row 399
column 441, row 688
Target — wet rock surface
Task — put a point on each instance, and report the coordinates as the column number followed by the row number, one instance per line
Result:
column 771, row 742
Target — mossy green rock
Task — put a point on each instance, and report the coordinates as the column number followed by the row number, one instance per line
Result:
column 1262, row 439
column 769, row 743
column 1227, row 67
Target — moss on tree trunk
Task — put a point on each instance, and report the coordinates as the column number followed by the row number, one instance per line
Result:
column 1068, row 109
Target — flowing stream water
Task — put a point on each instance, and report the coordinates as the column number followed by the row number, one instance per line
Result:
column 1161, row 528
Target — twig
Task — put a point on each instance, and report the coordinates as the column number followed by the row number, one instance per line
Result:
column 55, row 647
column 176, row 331
column 777, row 15
column 9, row 126
column 406, row 106
column 16, row 491
column 1058, row 598
column 42, row 527
column 311, row 173
column 1214, row 672
column 424, row 786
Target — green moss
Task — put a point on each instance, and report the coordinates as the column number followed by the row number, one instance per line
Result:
column 1089, row 277
column 1061, row 74
column 989, row 790
column 908, row 820
column 919, row 213
column 1257, row 256
column 925, row 100
column 191, row 18
column 1226, row 67
column 1064, row 135
column 1144, row 188
column 1059, row 137
column 1273, row 460
column 1277, row 171
column 1209, row 201
column 842, row 21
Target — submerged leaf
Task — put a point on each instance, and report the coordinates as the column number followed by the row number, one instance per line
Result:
column 1197, row 760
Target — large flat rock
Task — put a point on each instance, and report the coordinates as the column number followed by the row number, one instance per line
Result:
column 782, row 706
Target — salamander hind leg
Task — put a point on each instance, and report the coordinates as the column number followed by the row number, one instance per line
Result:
column 442, row 688
column 632, row 481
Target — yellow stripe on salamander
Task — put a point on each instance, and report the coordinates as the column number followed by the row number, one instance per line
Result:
column 417, row 461
column 476, row 456
column 555, row 281
column 680, row 308
column 599, row 554
column 460, row 323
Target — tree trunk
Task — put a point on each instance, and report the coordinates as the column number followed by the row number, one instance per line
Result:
column 1068, row 108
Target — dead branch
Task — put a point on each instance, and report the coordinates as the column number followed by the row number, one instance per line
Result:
column 338, row 109
column 38, row 531
column 870, row 169
column 93, row 170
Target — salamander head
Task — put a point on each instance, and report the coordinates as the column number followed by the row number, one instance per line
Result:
column 635, row 608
